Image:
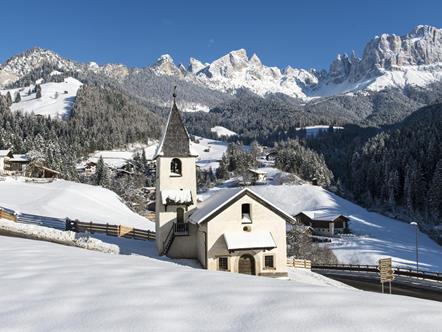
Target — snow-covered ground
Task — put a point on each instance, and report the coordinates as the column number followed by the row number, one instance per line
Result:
column 112, row 158
column 63, row 199
column 374, row 236
column 57, row 99
column 49, row 287
column 69, row 238
column 222, row 132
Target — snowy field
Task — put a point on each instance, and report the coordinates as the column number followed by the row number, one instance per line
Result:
column 57, row 99
column 63, row 199
column 374, row 236
column 49, row 287
column 222, row 132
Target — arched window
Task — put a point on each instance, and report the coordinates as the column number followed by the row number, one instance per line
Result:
column 180, row 215
column 175, row 167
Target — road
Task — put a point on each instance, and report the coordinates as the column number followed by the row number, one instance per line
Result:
column 423, row 289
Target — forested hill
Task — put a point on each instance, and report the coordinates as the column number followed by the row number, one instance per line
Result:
column 101, row 119
column 401, row 169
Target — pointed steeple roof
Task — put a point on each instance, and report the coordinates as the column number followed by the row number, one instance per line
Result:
column 175, row 141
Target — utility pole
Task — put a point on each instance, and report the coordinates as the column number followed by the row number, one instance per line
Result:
column 417, row 244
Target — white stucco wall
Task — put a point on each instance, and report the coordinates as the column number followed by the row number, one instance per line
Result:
column 230, row 220
column 166, row 181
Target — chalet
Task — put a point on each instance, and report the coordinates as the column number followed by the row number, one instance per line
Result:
column 13, row 164
column 258, row 176
column 323, row 223
column 235, row 230
column 4, row 156
column 89, row 168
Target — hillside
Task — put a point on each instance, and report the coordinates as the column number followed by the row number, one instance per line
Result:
column 57, row 98
column 63, row 199
column 84, row 290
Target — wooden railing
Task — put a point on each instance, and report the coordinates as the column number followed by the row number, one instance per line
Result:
column 168, row 241
column 300, row 263
column 109, row 229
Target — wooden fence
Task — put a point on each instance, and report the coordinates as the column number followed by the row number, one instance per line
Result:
column 108, row 229
column 8, row 214
column 300, row 263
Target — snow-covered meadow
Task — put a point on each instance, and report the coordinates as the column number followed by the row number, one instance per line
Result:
column 49, row 287
column 57, row 99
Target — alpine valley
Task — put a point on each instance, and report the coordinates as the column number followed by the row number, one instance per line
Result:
column 387, row 101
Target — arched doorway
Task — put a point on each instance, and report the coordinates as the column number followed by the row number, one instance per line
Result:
column 246, row 264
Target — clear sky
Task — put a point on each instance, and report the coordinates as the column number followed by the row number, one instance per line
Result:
column 298, row 33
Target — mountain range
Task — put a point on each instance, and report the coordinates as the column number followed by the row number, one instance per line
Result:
column 412, row 62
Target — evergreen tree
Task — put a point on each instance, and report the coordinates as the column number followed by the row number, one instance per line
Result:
column 38, row 91
column 17, row 98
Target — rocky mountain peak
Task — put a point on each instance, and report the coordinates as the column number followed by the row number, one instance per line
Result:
column 195, row 66
column 165, row 66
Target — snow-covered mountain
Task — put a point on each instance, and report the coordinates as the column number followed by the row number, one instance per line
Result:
column 388, row 61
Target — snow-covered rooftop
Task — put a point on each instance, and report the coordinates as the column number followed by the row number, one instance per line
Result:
column 219, row 200
column 249, row 240
column 176, row 196
column 4, row 153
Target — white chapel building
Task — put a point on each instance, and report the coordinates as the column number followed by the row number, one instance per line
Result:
column 235, row 230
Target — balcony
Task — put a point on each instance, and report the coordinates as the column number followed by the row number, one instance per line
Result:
column 181, row 229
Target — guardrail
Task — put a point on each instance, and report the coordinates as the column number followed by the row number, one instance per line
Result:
column 435, row 276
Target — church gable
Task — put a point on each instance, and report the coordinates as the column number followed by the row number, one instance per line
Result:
column 218, row 203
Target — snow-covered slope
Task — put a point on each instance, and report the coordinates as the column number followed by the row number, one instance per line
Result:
column 48, row 287
column 57, row 99
column 222, row 132
column 63, row 199
column 374, row 236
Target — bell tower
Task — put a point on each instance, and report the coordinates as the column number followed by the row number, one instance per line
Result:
column 175, row 181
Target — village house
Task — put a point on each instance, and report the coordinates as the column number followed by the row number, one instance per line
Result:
column 323, row 223
column 235, row 230
column 258, row 176
column 13, row 164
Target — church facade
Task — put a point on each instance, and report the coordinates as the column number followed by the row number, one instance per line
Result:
column 234, row 230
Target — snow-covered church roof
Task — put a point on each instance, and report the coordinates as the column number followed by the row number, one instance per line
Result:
column 223, row 198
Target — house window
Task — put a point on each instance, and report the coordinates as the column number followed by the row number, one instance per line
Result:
column 223, row 263
column 175, row 167
column 180, row 215
column 269, row 262
column 245, row 214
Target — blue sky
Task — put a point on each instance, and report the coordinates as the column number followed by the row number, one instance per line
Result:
column 298, row 33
